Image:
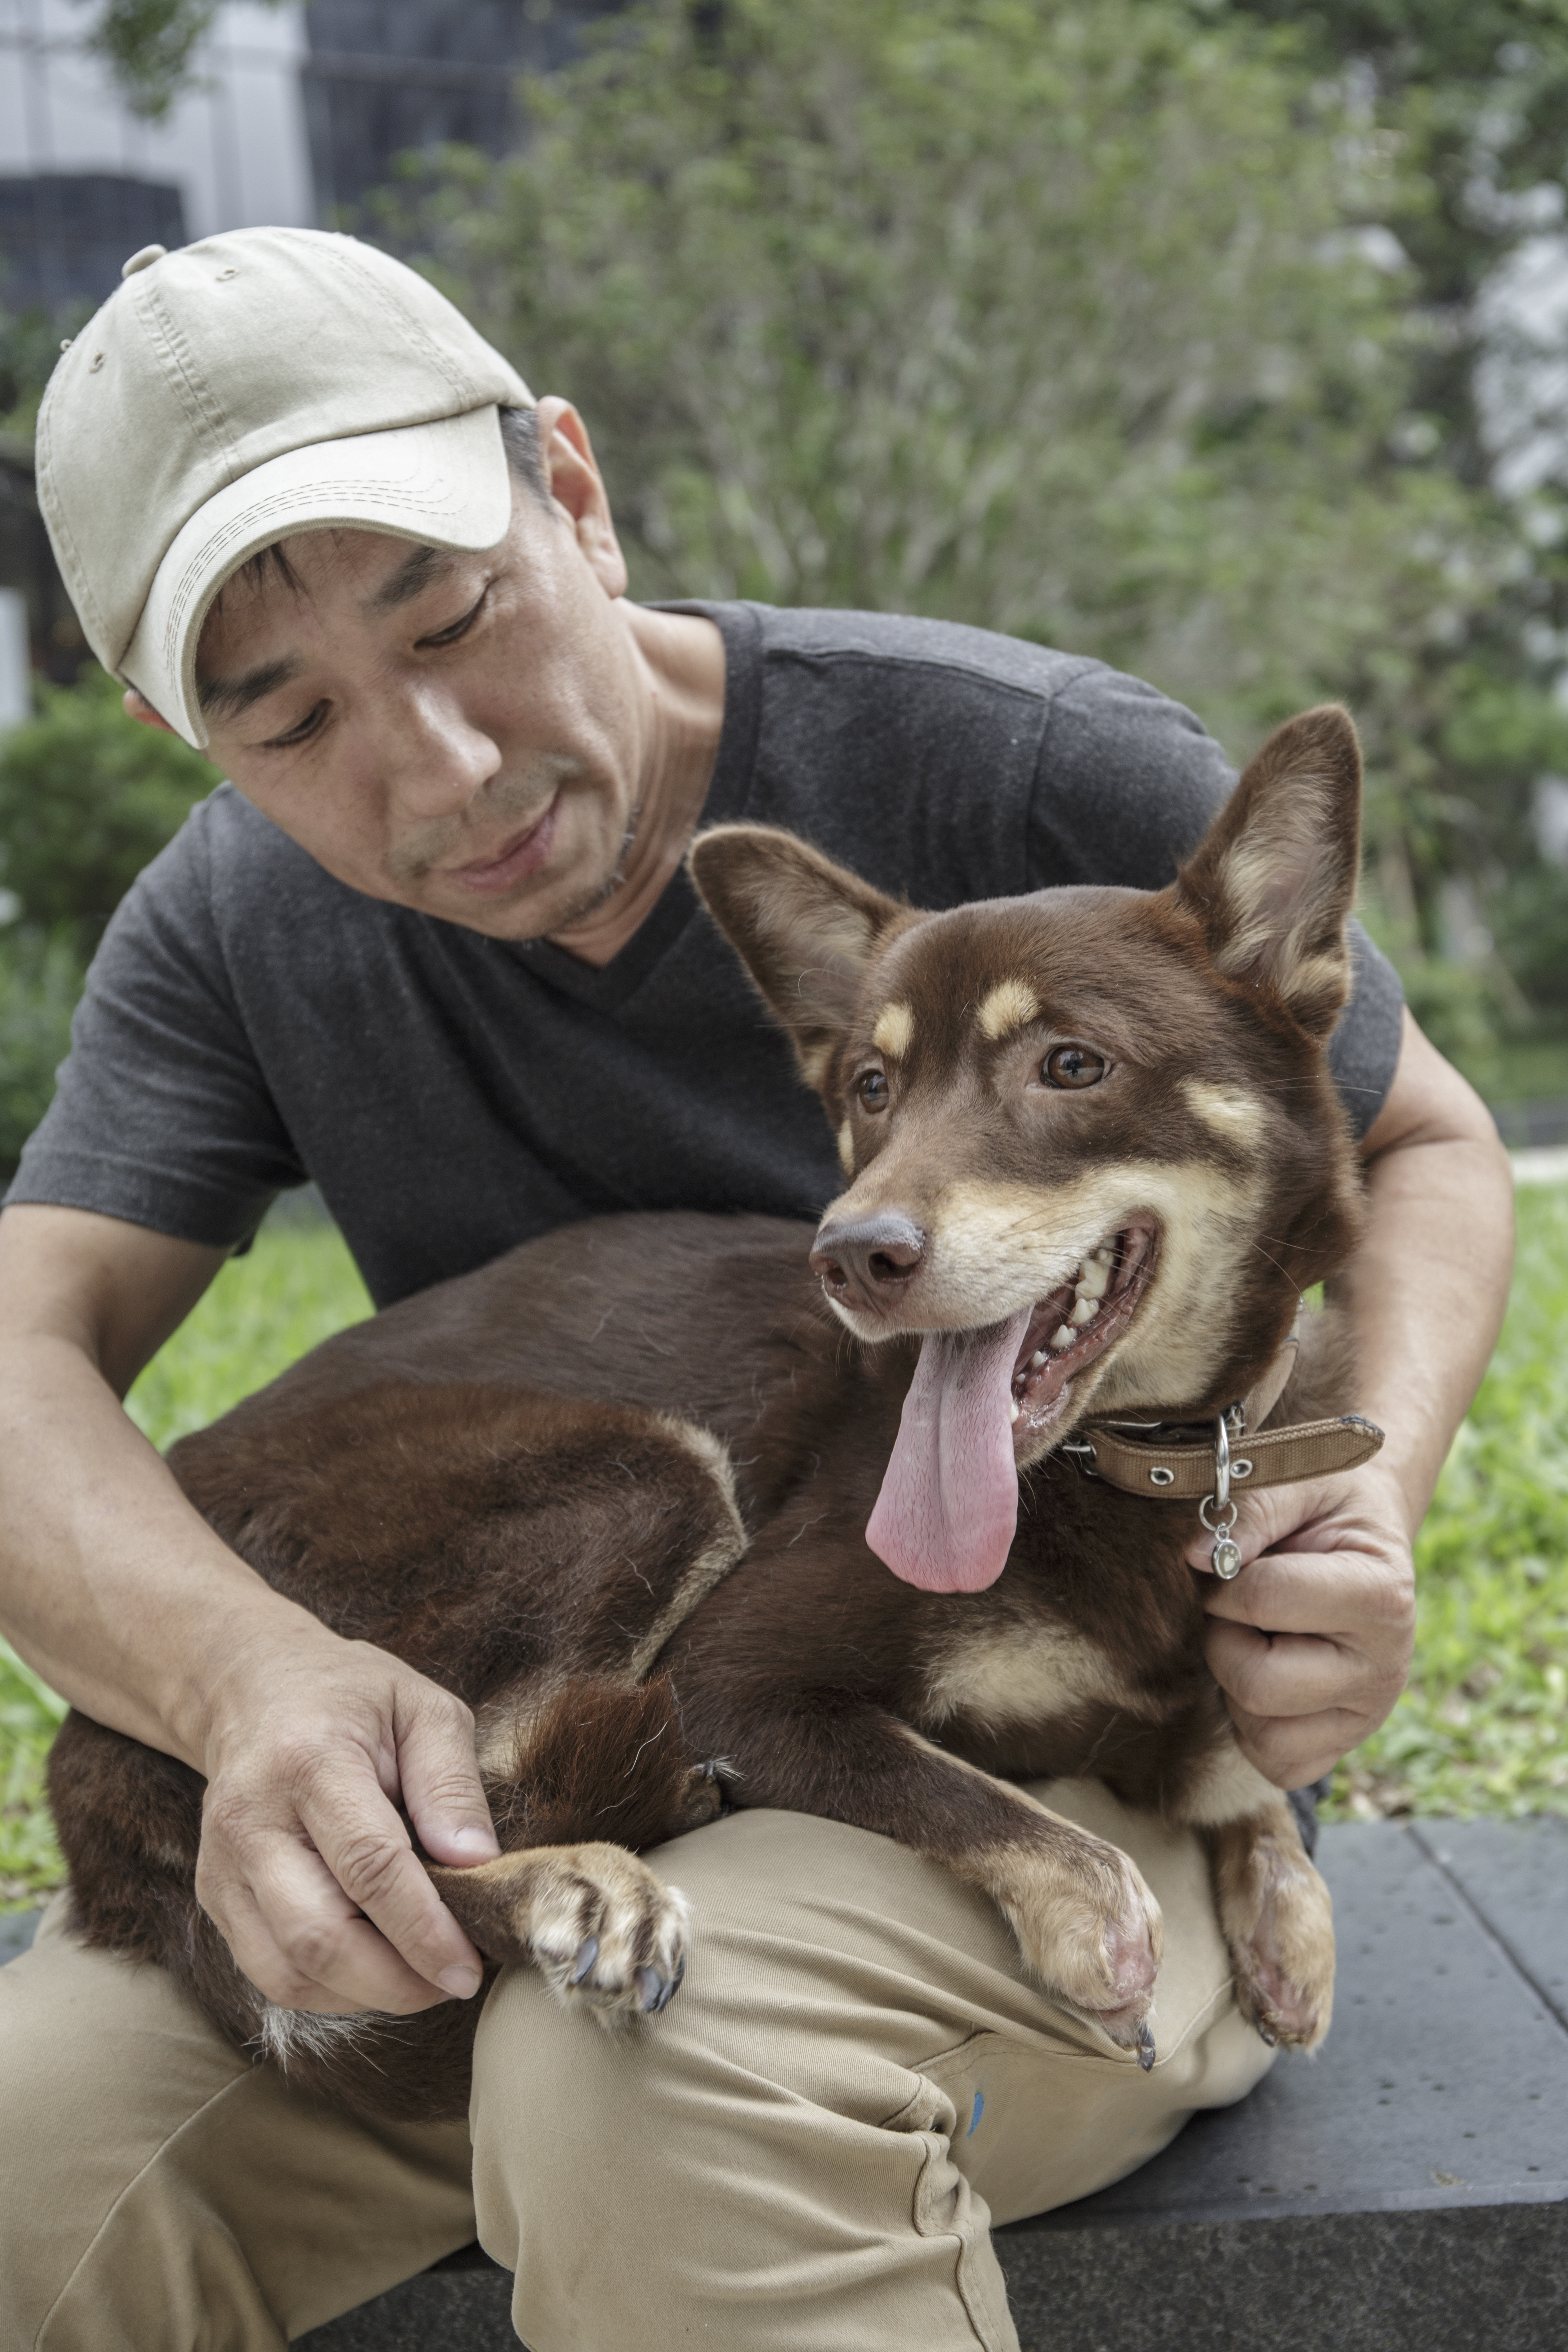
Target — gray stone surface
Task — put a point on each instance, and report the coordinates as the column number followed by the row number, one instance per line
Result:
column 1514, row 1876
column 1484, row 2280
column 16, row 1930
column 455, row 2308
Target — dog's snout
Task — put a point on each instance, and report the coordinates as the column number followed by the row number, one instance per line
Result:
column 868, row 1260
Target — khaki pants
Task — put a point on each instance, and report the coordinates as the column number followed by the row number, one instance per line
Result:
column 806, row 2151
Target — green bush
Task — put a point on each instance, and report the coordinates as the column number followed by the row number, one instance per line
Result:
column 87, row 796
column 40, row 980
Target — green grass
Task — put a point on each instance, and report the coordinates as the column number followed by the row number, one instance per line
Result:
column 1483, row 1727
column 296, row 1286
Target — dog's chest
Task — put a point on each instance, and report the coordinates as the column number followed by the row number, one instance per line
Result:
column 1009, row 1675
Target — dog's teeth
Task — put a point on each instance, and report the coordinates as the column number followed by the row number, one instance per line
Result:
column 1105, row 1256
column 1037, row 1359
column 1013, row 1408
column 1085, row 1311
column 1094, row 1281
column 1062, row 1338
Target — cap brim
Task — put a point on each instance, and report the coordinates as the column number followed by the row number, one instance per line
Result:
column 446, row 484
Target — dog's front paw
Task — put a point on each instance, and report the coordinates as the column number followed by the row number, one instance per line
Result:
column 1089, row 1928
column 602, row 1929
column 1279, row 1921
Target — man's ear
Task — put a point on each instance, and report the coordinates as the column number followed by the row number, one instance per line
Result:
column 804, row 928
column 1273, row 880
column 577, row 488
column 136, row 706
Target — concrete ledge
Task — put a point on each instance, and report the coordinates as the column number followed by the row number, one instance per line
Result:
column 1407, row 2188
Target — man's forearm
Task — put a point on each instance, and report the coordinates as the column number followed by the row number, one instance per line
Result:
column 111, row 1584
column 1426, row 1290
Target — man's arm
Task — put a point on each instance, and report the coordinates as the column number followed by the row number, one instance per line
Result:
column 1311, row 1642
column 115, row 1589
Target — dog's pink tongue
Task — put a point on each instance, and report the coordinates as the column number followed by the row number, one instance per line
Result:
column 948, row 1510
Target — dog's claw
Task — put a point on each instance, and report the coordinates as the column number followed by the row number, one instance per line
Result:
column 587, row 1953
column 653, row 1992
column 1145, row 2047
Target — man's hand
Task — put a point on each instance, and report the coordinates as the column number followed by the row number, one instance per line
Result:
column 1311, row 1642
column 306, row 1864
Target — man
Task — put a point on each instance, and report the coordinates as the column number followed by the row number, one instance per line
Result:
column 432, row 947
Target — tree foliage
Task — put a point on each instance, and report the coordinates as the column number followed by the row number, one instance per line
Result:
column 1080, row 318
column 150, row 49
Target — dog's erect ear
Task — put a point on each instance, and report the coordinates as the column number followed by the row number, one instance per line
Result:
column 804, row 928
column 1274, row 878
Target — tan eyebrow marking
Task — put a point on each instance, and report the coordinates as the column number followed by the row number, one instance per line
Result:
column 1008, row 1007
column 895, row 1031
column 1231, row 1112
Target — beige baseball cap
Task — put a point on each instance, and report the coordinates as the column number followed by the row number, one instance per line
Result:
column 263, row 381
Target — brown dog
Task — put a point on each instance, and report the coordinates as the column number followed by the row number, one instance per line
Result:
column 634, row 1491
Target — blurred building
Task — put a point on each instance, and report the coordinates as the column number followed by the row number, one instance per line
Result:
column 385, row 78
column 297, row 113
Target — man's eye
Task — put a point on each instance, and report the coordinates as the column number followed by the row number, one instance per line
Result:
column 1073, row 1065
column 459, row 628
column 300, row 734
column 872, row 1086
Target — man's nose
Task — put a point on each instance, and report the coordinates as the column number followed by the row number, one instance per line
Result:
column 868, row 1261
column 432, row 757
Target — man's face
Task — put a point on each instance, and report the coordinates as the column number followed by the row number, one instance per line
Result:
column 463, row 734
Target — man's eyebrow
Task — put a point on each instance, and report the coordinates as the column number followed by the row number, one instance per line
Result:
column 412, row 577
column 228, row 698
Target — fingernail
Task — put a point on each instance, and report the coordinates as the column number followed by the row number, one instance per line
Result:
column 481, row 1843
column 462, row 1983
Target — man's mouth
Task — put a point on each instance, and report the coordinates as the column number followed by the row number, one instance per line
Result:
column 491, row 877
column 948, row 1509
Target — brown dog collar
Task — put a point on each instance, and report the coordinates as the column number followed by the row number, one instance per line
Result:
column 1182, row 1472
column 1160, row 1461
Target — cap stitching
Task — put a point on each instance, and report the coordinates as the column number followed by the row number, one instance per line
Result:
column 170, row 338
column 88, row 610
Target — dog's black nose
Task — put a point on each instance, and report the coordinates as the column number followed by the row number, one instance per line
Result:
column 869, row 1260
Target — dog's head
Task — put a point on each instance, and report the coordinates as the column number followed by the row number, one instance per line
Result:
column 1093, row 1150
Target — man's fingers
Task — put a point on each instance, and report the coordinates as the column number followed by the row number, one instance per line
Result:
column 366, row 1848
column 309, row 1948
column 1291, row 1675
column 441, row 1784
column 1294, row 1750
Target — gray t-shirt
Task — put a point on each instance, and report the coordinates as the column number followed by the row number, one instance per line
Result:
column 249, row 1023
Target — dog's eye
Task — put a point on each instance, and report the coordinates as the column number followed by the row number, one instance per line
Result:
column 872, row 1088
column 1073, row 1065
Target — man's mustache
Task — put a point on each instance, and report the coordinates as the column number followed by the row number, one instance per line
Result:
column 510, row 805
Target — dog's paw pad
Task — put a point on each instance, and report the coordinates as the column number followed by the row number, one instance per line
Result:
column 607, row 1935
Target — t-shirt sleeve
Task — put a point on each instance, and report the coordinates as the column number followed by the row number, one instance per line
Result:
column 1128, row 783
column 162, row 1116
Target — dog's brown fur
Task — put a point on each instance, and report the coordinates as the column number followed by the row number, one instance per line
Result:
column 537, row 1483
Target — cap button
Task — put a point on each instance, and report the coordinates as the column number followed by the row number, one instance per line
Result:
column 144, row 259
